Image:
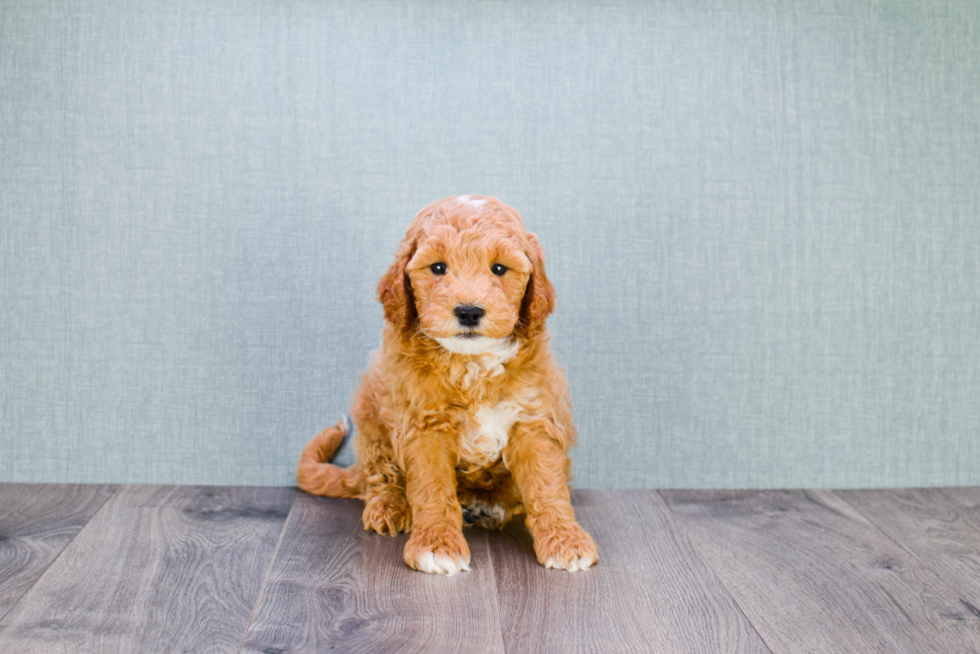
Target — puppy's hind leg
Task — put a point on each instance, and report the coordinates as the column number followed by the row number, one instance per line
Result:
column 489, row 509
column 387, row 512
column 386, row 509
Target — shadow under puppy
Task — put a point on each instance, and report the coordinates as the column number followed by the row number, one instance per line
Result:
column 463, row 415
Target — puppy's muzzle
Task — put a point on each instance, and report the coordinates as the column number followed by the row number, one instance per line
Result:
column 469, row 316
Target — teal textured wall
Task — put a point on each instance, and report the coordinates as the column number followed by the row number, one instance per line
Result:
column 762, row 219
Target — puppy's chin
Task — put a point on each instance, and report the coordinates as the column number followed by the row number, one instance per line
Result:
column 474, row 344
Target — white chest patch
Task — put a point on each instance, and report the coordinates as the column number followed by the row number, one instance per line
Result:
column 483, row 445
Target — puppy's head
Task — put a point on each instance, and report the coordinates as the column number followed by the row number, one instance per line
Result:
column 468, row 275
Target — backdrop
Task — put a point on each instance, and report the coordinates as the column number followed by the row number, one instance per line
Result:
column 761, row 217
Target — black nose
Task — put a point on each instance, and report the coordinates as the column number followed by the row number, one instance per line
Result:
column 469, row 316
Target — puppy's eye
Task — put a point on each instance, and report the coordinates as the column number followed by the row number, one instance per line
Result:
column 438, row 268
column 498, row 269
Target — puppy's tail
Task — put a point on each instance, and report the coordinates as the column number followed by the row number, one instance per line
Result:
column 318, row 477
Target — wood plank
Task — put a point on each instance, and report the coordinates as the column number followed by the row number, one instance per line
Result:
column 158, row 568
column 814, row 575
column 335, row 586
column 37, row 521
column 650, row 592
column 940, row 527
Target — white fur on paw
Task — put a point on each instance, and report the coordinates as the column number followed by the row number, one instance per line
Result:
column 440, row 564
column 497, row 513
column 488, row 516
column 581, row 563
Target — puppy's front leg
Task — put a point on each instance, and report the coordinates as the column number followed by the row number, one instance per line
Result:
column 437, row 544
column 538, row 463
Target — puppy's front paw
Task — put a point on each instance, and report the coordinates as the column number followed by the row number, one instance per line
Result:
column 438, row 552
column 566, row 548
column 387, row 513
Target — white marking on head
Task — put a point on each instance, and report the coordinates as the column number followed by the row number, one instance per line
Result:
column 466, row 199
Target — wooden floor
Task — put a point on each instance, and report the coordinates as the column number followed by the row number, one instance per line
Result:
column 206, row 569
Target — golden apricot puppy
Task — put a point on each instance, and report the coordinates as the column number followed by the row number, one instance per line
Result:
column 463, row 416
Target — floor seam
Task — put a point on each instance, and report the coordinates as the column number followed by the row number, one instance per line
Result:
column 878, row 528
column 112, row 493
column 496, row 591
column 944, row 491
column 694, row 544
column 268, row 572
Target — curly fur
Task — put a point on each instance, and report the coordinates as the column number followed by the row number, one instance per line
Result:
column 452, row 426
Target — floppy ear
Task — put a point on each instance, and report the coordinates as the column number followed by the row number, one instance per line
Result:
column 395, row 291
column 539, row 296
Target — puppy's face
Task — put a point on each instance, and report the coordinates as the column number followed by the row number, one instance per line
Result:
column 469, row 283
column 468, row 275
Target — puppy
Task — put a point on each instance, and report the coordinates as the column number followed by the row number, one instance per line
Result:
column 463, row 416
